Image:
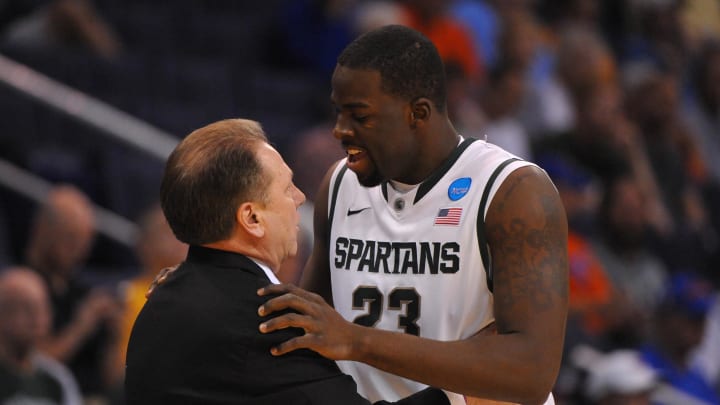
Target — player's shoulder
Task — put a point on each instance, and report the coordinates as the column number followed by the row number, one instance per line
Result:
column 480, row 151
column 485, row 161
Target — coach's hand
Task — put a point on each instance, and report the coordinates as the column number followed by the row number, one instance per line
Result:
column 326, row 331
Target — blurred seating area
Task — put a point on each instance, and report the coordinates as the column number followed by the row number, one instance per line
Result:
column 177, row 65
column 618, row 100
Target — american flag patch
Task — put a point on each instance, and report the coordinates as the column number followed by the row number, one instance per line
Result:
column 448, row 216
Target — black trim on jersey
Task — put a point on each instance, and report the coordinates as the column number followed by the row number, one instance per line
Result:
column 482, row 239
column 333, row 200
column 428, row 184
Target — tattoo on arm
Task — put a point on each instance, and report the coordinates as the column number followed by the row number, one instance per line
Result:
column 529, row 247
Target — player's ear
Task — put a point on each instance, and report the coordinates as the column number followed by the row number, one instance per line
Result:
column 420, row 110
column 247, row 217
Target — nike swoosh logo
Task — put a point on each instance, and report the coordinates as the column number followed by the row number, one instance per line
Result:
column 353, row 212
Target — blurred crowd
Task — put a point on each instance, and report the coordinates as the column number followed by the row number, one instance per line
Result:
column 618, row 100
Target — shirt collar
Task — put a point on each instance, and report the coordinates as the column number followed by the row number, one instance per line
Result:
column 224, row 258
column 269, row 273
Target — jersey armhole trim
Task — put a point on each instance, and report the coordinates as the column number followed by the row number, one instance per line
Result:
column 481, row 235
column 333, row 199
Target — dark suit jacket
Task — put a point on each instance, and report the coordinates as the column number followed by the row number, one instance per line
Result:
column 196, row 341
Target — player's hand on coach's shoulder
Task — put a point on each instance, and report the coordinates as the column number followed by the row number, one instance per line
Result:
column 160, row 278
column 326, row 331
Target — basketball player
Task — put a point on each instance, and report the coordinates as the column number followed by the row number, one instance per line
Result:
column 423, row 239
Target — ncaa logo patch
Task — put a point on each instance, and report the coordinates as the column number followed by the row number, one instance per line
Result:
column 459, row 188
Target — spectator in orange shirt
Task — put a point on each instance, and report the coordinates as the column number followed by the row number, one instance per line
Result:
column 590, row 288
column 453, row 42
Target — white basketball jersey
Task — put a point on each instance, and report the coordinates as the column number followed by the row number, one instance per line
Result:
column 411, row 262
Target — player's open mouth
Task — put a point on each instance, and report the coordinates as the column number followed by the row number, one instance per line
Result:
column 359, row 161
column 362, row 164
column 355, row 154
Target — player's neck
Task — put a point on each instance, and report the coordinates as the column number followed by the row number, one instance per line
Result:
column 440, row 144
column 402, row 187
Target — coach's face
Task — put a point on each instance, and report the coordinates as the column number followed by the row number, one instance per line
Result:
column 374, row 128
column 279, row 214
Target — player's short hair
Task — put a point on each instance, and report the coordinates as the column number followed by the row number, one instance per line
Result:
column 409, row 64
column 208, row 175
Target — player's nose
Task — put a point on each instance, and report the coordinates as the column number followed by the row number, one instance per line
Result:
column 341, row 129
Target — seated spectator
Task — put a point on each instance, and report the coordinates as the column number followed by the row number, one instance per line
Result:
column 526, row 44
column 26, row 375
column 500, row 103
column 657, row 36
column 622, row 246
column 60, row 240
column 59, row 23
column 678, row 327
column 701, row 106
column 591, row 291
column 674, row 156
column 490, row 112
column 597, row 310
column 373, row 14
column 452, row 40
column 483, row 22
column 653, row 104
column 619, row 377
column 706, row 358
column 583, row 62
column 312, row 33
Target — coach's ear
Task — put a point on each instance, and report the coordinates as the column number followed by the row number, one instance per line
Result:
column 247, row 217
column 420, row 111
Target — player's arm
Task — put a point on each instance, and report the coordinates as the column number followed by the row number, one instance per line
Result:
column 316, row 275
column 527, row 233
column 526, row 227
